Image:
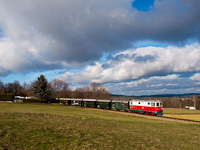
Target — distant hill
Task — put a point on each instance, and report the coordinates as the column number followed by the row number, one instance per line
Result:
column 160, row 95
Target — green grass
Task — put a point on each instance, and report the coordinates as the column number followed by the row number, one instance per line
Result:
column 43, row 126
column 182, row 113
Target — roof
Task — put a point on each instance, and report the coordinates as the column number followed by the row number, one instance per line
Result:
column 139, row 100
column 90, row 100
column 102, row 100
column 119, row 101
column 64, row 98
column 74, row 99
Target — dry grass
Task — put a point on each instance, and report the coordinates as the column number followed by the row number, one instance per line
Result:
column 38, row 126
column 182, row 113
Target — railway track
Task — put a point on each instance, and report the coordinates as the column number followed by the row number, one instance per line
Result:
column 170, row 118
column 165, row 118
column 187, row 120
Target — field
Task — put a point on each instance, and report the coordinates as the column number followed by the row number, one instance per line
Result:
column 182, row 113
column 47, row 126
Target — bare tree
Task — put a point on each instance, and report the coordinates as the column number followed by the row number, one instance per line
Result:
column 25, row 86
column 87, row 92
column 1, row 87
column 95, row 86
column 194, row 99
column 58, row 84
column 29, row 88
column 102, row 93
column 17, row 87
column 60, row 88
column 78, row 93
column 9, row 88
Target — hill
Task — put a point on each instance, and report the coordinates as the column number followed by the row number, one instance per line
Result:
column 160, row 95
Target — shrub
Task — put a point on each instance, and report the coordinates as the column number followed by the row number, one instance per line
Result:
column 6, row 97
column 32, row 100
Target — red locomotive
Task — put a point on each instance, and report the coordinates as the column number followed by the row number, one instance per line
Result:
column 151, row 107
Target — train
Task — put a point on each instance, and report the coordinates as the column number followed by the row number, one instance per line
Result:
column 148, row 107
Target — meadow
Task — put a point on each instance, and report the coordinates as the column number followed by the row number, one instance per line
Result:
column 182, row 113
column 53, row 126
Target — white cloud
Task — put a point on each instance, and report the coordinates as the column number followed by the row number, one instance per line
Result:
column 171, row 84
column 145, row 62
column 150, row 79
column 196, row 77
column 154, row 85
column 19, row 58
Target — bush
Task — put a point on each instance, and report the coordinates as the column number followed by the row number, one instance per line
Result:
column 32, row 100
column 6, row 97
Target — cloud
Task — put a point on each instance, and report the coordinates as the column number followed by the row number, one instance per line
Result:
column 196, row 77
column 154, row 85
column 170, row 84
column 159, row 79
column 15, row 58
column 124, row 66
column 67, row 33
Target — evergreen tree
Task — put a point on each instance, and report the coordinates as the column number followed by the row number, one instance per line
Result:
column 41, row 88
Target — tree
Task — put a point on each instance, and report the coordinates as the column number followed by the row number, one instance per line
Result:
column 58, row 85
column 41, row 88
column 1, row 87
column 17, row 87
column 60, row 88
column 194, row 99
column 9, row 87
column 95, row 86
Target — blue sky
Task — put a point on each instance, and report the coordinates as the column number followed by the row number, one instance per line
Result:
column 139, row 47
column 143, row 5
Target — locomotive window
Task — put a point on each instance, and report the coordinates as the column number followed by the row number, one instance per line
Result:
column 148, row 103
column 152, row 104
column 157, row 104
column 138, row 102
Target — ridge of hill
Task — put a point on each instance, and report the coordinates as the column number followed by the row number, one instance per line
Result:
column 160, row 95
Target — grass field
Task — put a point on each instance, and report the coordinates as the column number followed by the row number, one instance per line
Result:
column 46, row 126
column 182, row 113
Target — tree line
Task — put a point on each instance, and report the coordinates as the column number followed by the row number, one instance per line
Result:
column 42, row 89
column 181, row 102
column 56, row 88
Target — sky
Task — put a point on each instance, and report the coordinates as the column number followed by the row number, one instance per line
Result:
column 131, row 47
